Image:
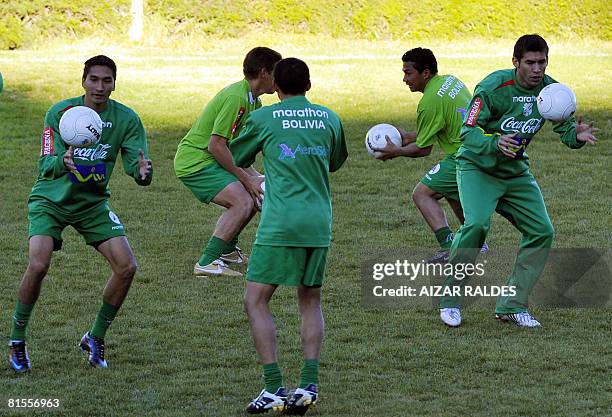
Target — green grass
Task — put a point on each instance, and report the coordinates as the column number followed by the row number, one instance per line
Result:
column 180, row 346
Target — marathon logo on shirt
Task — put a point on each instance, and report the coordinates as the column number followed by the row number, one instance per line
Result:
column 299, row 118
column 47, row 145
column 474, row 112
column 238, row 118
column 88, row 173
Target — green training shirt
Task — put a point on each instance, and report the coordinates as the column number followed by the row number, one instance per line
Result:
column 440, row 113
column 68, row 192
column 224, row 116
column 301, row 143
column 502, row 106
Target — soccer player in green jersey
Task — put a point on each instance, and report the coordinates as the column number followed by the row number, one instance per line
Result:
column 301, row 143
column 439, row 118
column 493, row 175
column 72, row 190
column 204, row 164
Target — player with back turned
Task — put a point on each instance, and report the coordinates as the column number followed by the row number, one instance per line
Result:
column 301, row 144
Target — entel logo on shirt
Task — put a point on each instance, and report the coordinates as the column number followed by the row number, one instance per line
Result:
column 474, row 112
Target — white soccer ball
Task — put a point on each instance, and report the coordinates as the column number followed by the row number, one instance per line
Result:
column 556, row 102
column 376, row 138
column 80, row 127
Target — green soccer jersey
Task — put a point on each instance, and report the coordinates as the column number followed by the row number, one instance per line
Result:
column 224, row 116
column 440, row 113
column 70, row 192
column 502, row 106
column 301, row 143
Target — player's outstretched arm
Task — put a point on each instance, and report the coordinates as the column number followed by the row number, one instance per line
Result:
column 392, row 151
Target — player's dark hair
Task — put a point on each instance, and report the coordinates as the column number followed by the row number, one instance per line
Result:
column 423, row 59
column 101, row 60
column 529, row 43
column 292, row 76
column 258, row 59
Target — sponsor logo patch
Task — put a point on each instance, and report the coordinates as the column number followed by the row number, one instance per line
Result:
column 474, row 112
column 88, row 173
column 238, row 118
column 527, row 109
column 47, row 142
column 434, row 170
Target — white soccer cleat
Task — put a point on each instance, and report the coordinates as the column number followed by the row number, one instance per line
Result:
column 216, row 268
column 451, row 316
column 235, row 257
column 522, row 319
column 267, row 401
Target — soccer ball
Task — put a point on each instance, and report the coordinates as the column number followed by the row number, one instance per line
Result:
column 556, row 102
column 375, row 138
column 80, row 127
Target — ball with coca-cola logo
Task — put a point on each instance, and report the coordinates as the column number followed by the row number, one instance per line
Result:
column 556, row 102
column 80, row 127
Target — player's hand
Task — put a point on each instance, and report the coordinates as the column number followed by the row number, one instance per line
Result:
column 388, row 152
column 507, row 143
column 253, row 185
column 145, row 165
column 68, row 159
column 584, row 132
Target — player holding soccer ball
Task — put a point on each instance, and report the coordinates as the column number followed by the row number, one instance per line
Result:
column 493, row 175
column 72, row 190
column 204, row 163
column 301, row 143
column 439, row 118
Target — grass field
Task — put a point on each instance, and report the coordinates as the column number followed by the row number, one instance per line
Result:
column 180, row 345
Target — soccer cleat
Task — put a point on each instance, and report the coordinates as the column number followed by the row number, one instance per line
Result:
column 216, row 268
column 522, row 319
column 19, row 359
column 451, row 316
column 94, row 346
column 235, row 257
column 484, row 249
column 440, row 257
column 301, row 399
column 267, row 401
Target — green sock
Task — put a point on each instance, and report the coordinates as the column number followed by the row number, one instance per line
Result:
column 310, row 373
column 213, row 250
column 230, row 246
column 273, row 378
column 105, row 317
column 20, row 320
column 445, row 237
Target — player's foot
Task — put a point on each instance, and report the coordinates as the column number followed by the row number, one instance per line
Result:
column 94, row 347
column 301, row 400
column 20, row 361
column 267, row 401
column 440, row 257
column 522, row 319
column 216, row 268
column 235, row 257
column 484, row 249
column 451, row 316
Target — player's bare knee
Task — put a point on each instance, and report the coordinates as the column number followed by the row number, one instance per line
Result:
column 127, row 270
column 38, row 267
